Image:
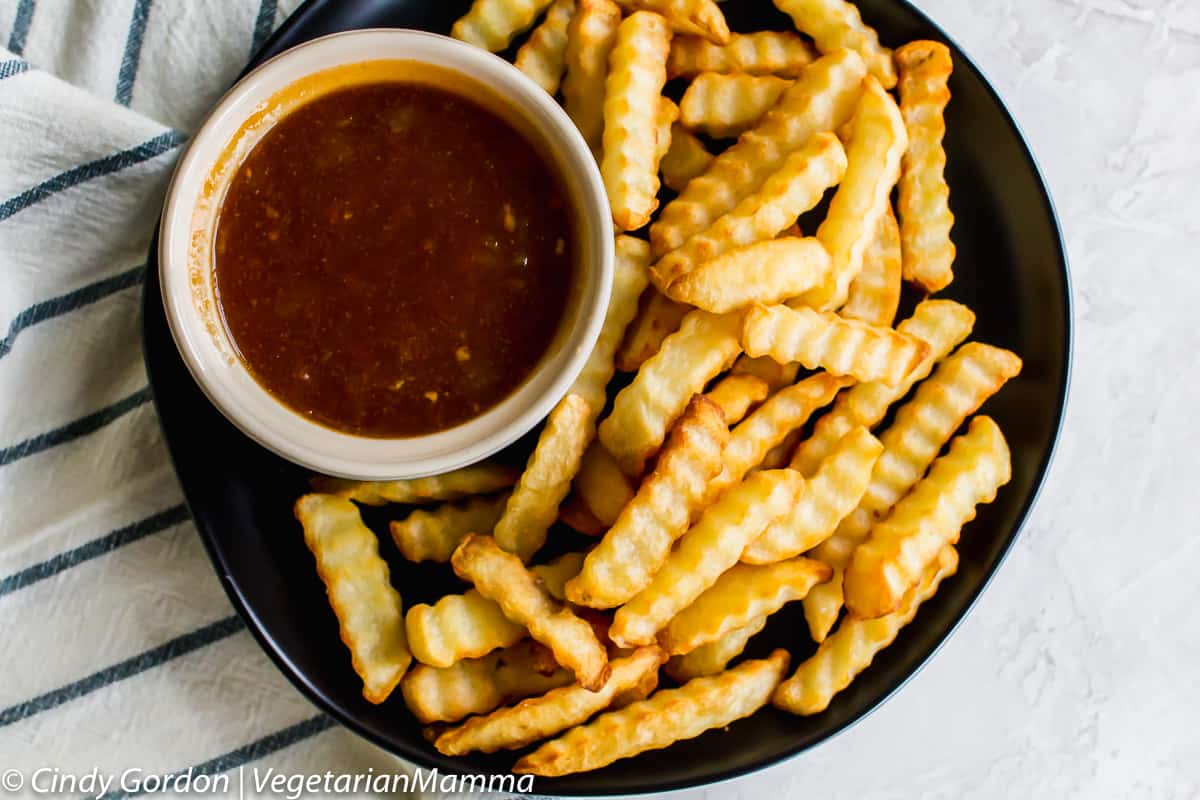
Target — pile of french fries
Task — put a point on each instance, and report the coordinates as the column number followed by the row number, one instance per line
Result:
column 743, row 466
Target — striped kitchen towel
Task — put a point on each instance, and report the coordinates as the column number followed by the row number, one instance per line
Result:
column 120, row 651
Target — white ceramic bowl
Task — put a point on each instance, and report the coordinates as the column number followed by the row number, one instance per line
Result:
column 241, row 119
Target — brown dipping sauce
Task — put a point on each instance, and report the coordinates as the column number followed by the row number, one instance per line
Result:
column 393, row 259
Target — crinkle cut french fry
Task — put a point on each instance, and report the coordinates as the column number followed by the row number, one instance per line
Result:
column 826, row 341
column 705, row 345
column 926, row 219
column 533, row 505
column 959, row 386
column 822, row 99
column 476, row 479
column 478, row 685
column 833, row 492
column 493, row 24
column 540, row 717
column 369, row 611
column 658, row 317
column 590, row 37
column 798, row 186
column 688, row 17
column 469, row 625
column 458, row 626
column 834, row 24
column 632, row 257
column 667, row 716
column 640, row 540
column 432, row 535
column 876, row 146
column 637, row 73
column 525, row 600
column 854, row 645
column 543, row 57
column 784, row 412
column 601, row 485
column 686, row 158
column 775, row 374
column 712, row 546
column 929, row 517
column 668, row 112
column 736, row 394
column 781, row 53
column 875, row 294
column 724, row 106
column 942, row 324
column 713, row 657
column 741, row 595
column 765, row 272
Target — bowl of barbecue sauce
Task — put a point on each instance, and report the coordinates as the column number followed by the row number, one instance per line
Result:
column 386, row 254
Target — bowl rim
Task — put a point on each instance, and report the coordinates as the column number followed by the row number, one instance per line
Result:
column 428, row 761
column 224, row 378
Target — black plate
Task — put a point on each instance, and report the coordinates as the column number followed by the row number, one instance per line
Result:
column 1011, row 269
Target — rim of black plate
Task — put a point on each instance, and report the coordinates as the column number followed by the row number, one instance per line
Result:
column 317, row 696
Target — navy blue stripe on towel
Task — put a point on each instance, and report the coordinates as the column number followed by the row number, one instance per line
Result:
column 145, row 151
column 179, row 646
column 20, row 31
column 73, row 430
column 71, row 301
column 133, row 51
column 11, row 67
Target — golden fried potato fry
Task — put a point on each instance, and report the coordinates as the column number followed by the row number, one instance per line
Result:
column 475, row 479
column 704, row 345
column 668, row 716
column 798, row 186
column 432, row 535
column 940, row 405
column 775, row 374
column 741, row 595
column 591, row 34
column 854, row 645
column 685, row 158
column 369, row 611
column 711, row 658
column 942, row 324
column 637, row 73
column 723, row 106
column 875, row 294
column 834, row 24
column 639, row 542
column 827, row 341
column 478, row 685
column 766, row 272
column 541, row 717
column 833, row 492
column 930, row 517
column 822, row 100
column 601, row 485
column 925, row 215
column 689, row 17
column 668, row 113
column 470, row 625
column 575, row 514
column 736, row 394
column 712, row 546
column 632, row 257
column 658, row 317
column 761, row 53
column 533, row 505
column 525, row 600
column 493, row 24
column 458, row 626
column 543, row 57
column 769, row 426
column 876, row 146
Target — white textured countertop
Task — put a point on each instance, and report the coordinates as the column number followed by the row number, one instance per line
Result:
column 1076, row 674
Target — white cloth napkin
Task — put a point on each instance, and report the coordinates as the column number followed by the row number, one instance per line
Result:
column 119, row 649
